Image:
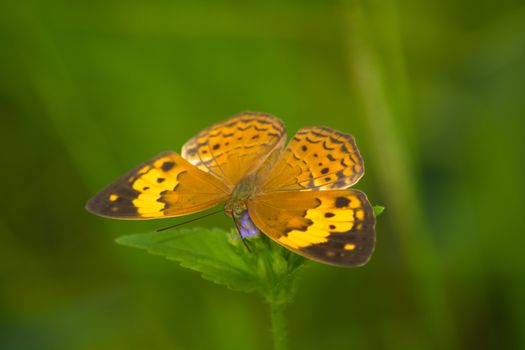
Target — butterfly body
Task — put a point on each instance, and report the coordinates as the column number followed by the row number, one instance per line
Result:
column 298, row 195
column 236, row 205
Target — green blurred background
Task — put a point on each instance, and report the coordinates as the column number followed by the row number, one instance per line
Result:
column 433, row 91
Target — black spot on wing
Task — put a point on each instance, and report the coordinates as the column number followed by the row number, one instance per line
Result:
column 310, row 140
column 167, row 166
column 341, row 202
column 302, row 228
column 326, row 147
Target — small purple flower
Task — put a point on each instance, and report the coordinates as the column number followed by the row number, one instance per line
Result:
column 248, row 228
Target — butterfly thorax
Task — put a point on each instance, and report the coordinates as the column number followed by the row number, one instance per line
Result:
column 236, row 204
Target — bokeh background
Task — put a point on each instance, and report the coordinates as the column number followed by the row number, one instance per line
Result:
column 433, row 91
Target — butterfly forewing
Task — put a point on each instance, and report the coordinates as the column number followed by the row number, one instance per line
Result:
column 334, row 227
column 316, row 158
column 166, row 186
column 233, row 149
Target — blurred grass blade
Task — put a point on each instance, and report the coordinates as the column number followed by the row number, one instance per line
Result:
column 371, row 73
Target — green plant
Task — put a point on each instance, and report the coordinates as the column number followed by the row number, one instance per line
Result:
column 220, row 256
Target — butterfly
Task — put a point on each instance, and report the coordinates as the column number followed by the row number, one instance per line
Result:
column 299, row 195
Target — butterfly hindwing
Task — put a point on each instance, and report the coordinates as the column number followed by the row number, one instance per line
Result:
column 237, row 146
column 166, row 186
column 334, row 227
column 317, row 158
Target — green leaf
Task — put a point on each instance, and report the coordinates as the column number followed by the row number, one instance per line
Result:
column 378, row 209
column 221, row 257
column 208, row 251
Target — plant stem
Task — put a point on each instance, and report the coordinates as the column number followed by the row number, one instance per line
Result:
column 278, row 325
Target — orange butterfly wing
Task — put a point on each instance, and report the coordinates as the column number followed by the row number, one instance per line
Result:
column 166, row 186
column 335, row 227
column 303, row 203
column 237, row 147
column 316, row 158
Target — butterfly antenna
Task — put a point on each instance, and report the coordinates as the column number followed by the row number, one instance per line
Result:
column 187, row 222
column 240, row 234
